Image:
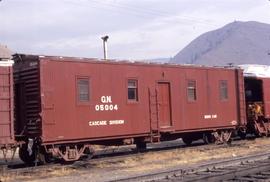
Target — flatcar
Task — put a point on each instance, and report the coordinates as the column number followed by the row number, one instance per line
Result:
column 7, row 138
column 65, row 105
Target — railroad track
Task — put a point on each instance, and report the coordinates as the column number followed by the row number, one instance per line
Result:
column 109, row 156
column 254, row 167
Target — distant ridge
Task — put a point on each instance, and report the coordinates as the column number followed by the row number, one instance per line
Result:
column 237, row 43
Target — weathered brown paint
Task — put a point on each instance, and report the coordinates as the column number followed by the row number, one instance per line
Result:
column 240, row 99
column 164, row 105
column 66, row 119
column 6, row 106
column 266, row 95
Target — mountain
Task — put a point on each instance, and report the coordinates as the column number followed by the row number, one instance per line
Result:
column 237, row 43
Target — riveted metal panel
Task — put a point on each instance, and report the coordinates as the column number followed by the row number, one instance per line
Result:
column 266, row 97
column 6, row 104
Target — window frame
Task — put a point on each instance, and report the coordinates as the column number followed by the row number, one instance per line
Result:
column 78, row 100
column 195, row 98
column 222, row 96
column 136, row 100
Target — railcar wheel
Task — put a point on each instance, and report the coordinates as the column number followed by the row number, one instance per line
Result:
column 141, row 146
column 242, row 135
column 187, row 140
column 44, row 157
column 89, row 152
column 24, row 155
column 208, row 138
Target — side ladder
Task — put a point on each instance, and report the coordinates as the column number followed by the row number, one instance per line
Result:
column 153, row 112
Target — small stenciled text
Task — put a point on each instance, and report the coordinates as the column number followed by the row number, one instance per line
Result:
column 105, row 122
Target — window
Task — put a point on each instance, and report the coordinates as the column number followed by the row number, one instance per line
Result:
column 191, row 90
column 83, row 89
column 132, row 90
column 223, row 90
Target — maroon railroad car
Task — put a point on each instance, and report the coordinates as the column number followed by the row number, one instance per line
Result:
column 6, row 106
column 64, row 105
column 257, row 85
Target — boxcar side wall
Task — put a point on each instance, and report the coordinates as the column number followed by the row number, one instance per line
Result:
column 66, row 117
column 6, row 105
column 240, row 99
column 211, row 109
column 83, row 100
column 266, row 97
column 221, row 99
column 106, row 113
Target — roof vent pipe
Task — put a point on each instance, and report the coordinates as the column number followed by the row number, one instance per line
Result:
column 105, row 38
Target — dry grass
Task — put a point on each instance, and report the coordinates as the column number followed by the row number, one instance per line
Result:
column 153, row 161
column 53, row 172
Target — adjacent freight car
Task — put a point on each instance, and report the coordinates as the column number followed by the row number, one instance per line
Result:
column 257, row 96
column 64, row 105
column 7, row 139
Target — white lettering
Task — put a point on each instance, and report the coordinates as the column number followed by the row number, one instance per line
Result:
column 114, row 122
column 33, row 64
column 97, row 123
column 106, row 107
column 101, row 107
column 213, row 116
column 97, row 107
column 111, row 107
column 106, row 104
column 104, row 122
column 106, row 99
column 115, row 107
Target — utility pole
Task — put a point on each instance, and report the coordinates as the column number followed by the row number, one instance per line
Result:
column 105, row 49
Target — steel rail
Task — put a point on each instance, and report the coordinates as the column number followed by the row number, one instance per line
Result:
column 210, row 171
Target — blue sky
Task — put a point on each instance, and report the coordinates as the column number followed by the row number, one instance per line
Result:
column 138, row 29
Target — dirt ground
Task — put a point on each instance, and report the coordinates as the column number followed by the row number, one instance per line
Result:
column 146, row 162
